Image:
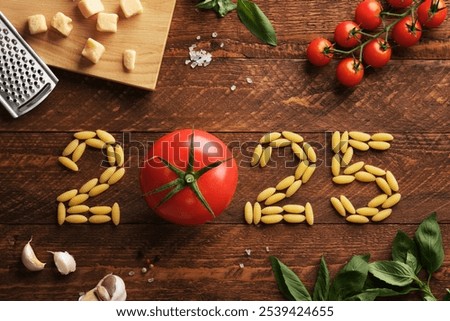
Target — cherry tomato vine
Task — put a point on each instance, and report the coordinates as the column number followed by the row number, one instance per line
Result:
column 368, row 40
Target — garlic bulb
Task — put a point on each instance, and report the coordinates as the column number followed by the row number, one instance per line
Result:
column 29, row 258
column 110, row 288
column 65, row 263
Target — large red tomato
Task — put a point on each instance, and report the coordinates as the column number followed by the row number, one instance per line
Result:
column 189, row 177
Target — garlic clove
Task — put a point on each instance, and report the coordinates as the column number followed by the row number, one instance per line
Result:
column 65, row 263
column 115, row 287
column 89, row 296
column 102, row 293
column 29, row 258
column 110, row 288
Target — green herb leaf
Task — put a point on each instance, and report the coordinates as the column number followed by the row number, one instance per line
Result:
column 222, row 7
column 429, row 241
column 350, row 280
column 256, row 21
column 413, row 262
column 401, row 246
column 225, row 6
column 393, row 272
column 428, row 297
column 447, row 295
column 322, row 286
column 288, row 282
column 373, row 293
column 207, row 4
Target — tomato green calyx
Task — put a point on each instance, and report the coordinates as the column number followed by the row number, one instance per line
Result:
column 434, row 8
column 186, row 179
column 189, row 178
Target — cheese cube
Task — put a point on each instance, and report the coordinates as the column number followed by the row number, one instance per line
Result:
column 62, row 23
column 37, row 24
column 93, row 50
column 129, row 59
column 107, row 22
column 131, row 7
column 90, row 7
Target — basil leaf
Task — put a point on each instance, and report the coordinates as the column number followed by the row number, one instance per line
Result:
column 373, row 293
column 288, row 282
column 225, row 6
column 428, row 297
column 363, row 296
column 413, row 262
column 393, row 272
column 401, row 246
column 256, row 21
column 207, row 4
column 222, row 7
column 350, row 280
column 429, row 241
column 322, row 286
column 447, row 295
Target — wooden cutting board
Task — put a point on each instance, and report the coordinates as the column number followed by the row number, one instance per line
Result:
column 146, row 33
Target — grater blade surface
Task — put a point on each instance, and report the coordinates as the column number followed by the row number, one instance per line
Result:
column 25, row 80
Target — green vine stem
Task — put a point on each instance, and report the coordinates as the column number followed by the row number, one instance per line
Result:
column 399, row 16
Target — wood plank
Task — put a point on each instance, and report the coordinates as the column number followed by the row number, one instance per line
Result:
column 410, row 96
column 200, row 263
column 31, row 177
column 146, row 33
column 296, row 24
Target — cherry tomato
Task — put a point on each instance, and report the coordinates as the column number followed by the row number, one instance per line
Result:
column 349, row 72
column 319, row 52
column 377, row 53
column 406, row 33
column 188, row 177
column 432, row 13
column 367, row 14
column 347, row 34
column 400, row 3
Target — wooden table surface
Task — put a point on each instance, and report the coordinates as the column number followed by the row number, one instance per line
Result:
column 408, row 98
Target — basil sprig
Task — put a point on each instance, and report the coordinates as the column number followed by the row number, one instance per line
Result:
column 222, row 7
column 361, row 280
column 250, row 15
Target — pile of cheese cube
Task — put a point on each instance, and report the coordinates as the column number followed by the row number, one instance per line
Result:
column 106, row 22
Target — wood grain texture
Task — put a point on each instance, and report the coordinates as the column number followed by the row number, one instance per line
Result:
column 190, row 263
column 408, row 98
column 287, row 93
column 146, row 33
column 25, row 188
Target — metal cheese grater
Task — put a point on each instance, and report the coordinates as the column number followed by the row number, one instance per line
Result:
column 25, row 80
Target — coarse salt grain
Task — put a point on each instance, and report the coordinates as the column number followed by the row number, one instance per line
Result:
column 198, row 38
column 249, row 80
column 150, row 280
column 214, row 34
column 248, row 252
column 233, row 87
column 241, row 265
column 200, row 58
column 221, row 45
